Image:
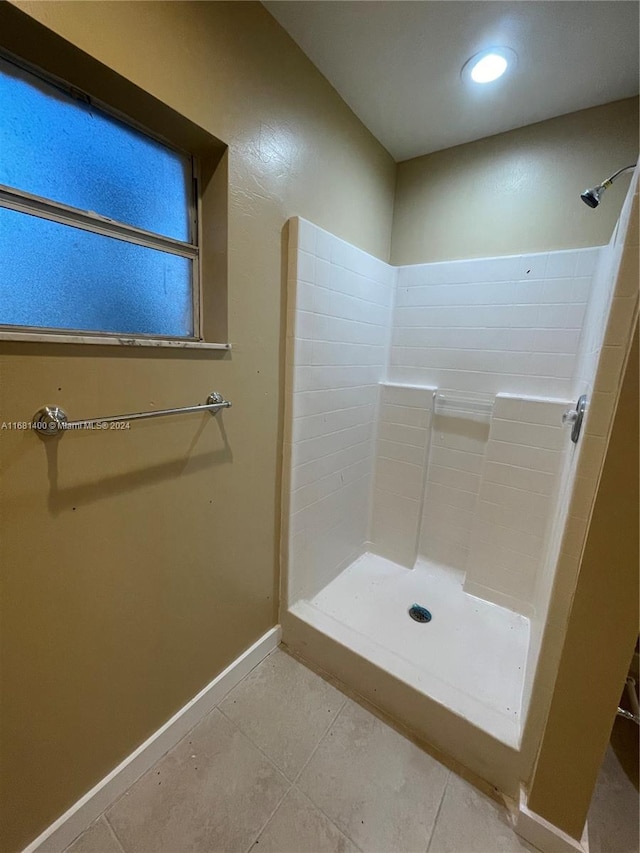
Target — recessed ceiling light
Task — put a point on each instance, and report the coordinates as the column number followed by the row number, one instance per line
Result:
column 488, row 65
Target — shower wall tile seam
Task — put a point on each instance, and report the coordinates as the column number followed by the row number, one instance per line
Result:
column 324, row 289
column 492, row 303
column 488, row 350
column 433, row 371
column 344, row 409
column 354, row 430
column 358, row 322
column 304, row 439
column 298, row 512
column 302, row 469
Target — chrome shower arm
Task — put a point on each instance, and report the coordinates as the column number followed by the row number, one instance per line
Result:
column 616, row 174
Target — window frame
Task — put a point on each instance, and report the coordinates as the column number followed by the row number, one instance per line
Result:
column 16, row 199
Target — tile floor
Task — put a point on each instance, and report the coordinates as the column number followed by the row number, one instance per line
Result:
column 288, row 764
column 614, row 817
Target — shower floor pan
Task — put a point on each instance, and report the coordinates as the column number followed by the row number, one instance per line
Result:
column 468, row 661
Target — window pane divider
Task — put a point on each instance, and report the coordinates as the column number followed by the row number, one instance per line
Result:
column 23, row 202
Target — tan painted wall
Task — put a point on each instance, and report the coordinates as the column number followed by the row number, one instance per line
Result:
column 136, row 566
column 601, row 632
column 516, row 192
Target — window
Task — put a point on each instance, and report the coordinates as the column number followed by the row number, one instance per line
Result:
column 98, row 219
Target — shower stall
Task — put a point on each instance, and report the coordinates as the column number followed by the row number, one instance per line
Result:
column 433, row 506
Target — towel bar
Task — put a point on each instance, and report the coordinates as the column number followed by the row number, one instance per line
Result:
column 50, row 421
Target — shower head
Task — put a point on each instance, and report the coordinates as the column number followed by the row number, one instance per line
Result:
column 592, row 197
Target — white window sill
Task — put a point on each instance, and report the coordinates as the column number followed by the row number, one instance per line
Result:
column 108, row 340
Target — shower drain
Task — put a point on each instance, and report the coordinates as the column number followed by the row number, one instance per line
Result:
column 419, row 613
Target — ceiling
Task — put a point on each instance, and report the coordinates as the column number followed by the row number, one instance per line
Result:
column 397, row 64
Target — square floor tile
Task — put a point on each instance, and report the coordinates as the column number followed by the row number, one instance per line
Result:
column 284, row 708
column 98, row 838
column 470, row 822
column 213, row 792
column 299, row 827
column 377, row 786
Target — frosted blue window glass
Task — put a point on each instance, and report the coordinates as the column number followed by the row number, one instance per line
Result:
column 61, row 148
column 62, row 277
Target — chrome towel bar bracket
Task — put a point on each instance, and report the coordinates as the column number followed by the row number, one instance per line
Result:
column 50, row 421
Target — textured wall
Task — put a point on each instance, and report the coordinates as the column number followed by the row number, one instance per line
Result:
column 517, row 191
column 136, row 566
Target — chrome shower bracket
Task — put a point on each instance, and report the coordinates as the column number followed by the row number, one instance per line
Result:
column 575, row 417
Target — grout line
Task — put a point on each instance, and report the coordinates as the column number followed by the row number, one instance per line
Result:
column 334, row 364
column 333, row 453
column 489, row 304
column 371, row 386
column 113, row 832
column 454, row 488
column 332, row 474
column 292, row 784
column 498, row 373
column 449, row 328
column 341, row 291
column 338, row 343
column 445, row 447
column 252, row 742
column 381, row 326
column 435, row 822
column 271, row 762
column 336, row 492
column 344, row 409
column 343, row 830
column 504, row 351
column 302, row 441
column 322, row 736
column 457, row 470
column 268, row 820
column 527, row 491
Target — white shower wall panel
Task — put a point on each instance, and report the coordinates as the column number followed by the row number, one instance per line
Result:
column 338, row 326
column 453, row 481
column 401, row 456
column 509, row 324
column 521, row 469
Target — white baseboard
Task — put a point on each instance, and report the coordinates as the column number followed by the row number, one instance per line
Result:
column 544, row 835
column 81, row 815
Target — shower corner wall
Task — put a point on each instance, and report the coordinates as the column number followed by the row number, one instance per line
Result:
column 338, row 314
column 383, row 500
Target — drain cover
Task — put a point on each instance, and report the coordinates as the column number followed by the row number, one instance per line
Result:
column 419, row 613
